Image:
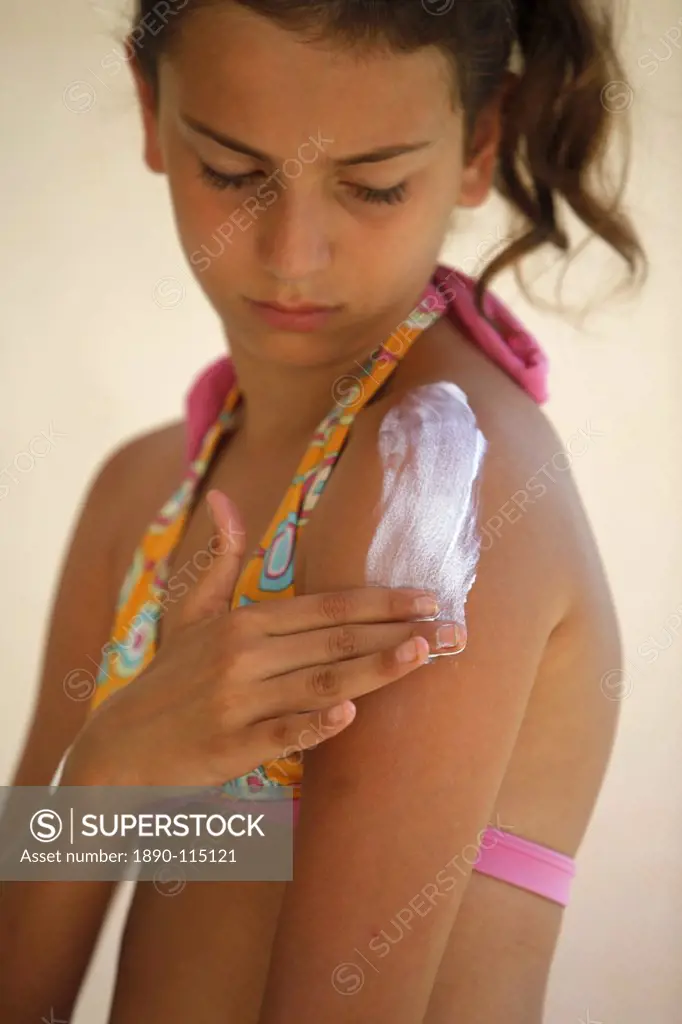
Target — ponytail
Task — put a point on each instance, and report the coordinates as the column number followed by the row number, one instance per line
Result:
column 556, row 124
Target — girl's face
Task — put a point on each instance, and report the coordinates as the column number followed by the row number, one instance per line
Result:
column 311, row 219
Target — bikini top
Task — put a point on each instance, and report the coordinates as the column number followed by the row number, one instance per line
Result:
column 269, row 574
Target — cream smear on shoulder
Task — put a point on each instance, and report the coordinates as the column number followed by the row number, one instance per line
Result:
column 431, row 450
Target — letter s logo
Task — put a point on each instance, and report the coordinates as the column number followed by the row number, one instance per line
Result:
column 46, row 825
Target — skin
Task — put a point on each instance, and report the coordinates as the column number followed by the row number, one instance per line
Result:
column 516, row 732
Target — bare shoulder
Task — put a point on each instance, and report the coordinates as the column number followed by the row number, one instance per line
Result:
column 140, row 476
column 124, row 493
column 535, row 536
column 153, row 454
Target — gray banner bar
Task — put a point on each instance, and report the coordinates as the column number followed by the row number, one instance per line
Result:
column 169, row 835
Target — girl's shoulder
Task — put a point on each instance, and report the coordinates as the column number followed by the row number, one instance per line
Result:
column 142, row 474
column 530, row 511
column 521, row 440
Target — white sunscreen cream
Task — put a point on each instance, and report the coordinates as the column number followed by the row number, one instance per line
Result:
column 431, row 451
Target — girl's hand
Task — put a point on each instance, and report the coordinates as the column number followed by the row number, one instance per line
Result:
column 230, row 690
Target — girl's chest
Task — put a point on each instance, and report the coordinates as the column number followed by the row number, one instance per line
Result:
column 260, row 488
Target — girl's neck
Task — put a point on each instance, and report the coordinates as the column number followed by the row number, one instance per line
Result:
column 289, row 401
column 281, row 401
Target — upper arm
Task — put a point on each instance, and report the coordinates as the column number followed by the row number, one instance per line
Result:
column 50, row 960
column 79, row 623
column 391, row 805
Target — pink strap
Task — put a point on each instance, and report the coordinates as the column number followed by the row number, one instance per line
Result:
column 205, row 400
column 526, row 864
column 512, row 347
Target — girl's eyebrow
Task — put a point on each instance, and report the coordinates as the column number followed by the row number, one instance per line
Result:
column 374, row 157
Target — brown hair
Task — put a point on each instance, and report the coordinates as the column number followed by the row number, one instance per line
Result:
column 556, row 122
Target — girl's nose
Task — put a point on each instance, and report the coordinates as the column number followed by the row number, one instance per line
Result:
column 293, row 234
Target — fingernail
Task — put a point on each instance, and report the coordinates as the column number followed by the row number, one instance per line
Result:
column 447, row 636
column 426, row 606
column 222, row 503
column 340, row 713
column 407, row 651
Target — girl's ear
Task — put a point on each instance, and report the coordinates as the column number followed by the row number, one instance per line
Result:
column 479, row 170
column 153, row 154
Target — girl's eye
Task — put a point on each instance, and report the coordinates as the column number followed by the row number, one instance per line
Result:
column 217, row 179
column 381, row 195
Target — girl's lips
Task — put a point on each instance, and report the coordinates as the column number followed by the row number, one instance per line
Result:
column 297, row 309
column 293, row 320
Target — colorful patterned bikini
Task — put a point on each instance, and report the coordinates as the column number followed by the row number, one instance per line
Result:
column 269, row 573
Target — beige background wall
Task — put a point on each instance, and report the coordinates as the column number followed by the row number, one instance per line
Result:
column 102, row 327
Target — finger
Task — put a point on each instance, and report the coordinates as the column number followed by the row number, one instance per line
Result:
column 320, row 686
column 213, row 592
column 358, row 604
column 277, row 739
column 339, row 643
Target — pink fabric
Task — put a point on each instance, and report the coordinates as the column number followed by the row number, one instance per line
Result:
column 513, row 348
column 526, row 864
column 205, row 400
column 507, row 857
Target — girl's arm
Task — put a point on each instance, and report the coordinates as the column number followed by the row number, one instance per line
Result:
column 393, row 809
column 48, row 929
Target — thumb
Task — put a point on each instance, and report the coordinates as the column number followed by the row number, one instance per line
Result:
column 213, row 592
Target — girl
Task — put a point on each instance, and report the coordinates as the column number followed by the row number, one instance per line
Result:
column 314, row 154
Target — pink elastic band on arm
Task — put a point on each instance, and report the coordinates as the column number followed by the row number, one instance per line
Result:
column 526, row 864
